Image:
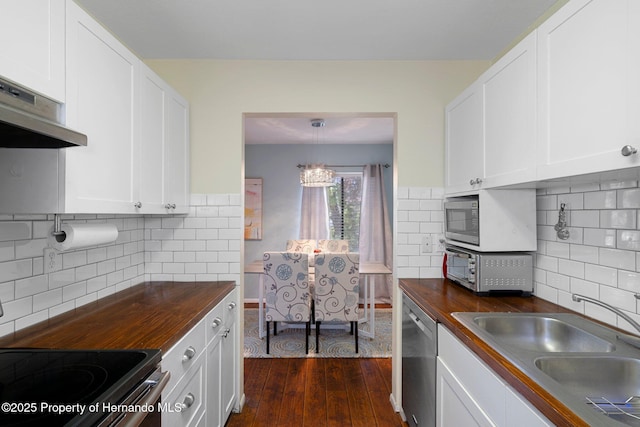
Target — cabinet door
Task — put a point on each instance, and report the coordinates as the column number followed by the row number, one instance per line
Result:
column 32, row 53
column 101, row 102
column 153, row 100
column 464, row 145
column 455, row 407
column 177, row 153
column 214, row 383
column 228, row 371
column 510, row 116
column 588, row 88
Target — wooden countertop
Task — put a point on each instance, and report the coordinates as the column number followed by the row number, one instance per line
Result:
column 148, row 315
column 439, row 298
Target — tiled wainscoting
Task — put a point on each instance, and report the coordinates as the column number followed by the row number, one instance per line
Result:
column 29, row 295
column 420, row 214
column 203, row 245
column 601, row 258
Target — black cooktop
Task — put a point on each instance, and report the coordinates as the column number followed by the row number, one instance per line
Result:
column 41, row 387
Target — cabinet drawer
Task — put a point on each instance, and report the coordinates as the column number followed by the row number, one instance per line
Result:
column 223, row 316
column 185, row 405
column 183, row 355
column 215, row 321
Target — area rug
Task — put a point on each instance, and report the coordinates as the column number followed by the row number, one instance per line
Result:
column 333, row 342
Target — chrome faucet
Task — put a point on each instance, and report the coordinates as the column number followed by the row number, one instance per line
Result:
column 578, row 298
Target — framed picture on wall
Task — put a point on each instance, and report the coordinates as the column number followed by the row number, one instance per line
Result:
column 253, row 209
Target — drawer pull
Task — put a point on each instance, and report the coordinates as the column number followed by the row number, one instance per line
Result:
column 231, row 305
column 188, row 401
column 188, row 354
column 216, row 322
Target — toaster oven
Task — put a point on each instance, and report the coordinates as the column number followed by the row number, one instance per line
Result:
column 490, row 273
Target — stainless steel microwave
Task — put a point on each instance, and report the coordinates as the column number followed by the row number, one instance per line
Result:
column 492, row 221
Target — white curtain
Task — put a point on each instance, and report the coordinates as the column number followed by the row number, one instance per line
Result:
column 375, row 229
column 314, row 214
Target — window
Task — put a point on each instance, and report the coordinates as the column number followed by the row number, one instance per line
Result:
column 344, row 208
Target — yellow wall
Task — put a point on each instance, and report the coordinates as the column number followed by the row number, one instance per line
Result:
column 220, row 92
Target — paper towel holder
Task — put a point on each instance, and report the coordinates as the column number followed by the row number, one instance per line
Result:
column 57, row 229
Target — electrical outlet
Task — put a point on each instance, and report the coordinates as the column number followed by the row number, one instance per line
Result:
column 426, row 246
column 52, row 260
column 441, row 242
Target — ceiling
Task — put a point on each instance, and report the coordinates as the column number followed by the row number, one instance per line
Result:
column 309, row 30
column 343, row 129
column 327, row 30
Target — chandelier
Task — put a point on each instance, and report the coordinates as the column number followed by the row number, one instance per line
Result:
column 317, row 174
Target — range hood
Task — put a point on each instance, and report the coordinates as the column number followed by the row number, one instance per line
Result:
column 29, row 120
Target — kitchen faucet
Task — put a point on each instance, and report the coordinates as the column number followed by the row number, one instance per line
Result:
column 634, row 341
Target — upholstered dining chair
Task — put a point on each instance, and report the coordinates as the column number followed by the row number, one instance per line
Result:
column 337, row 290
column 306, row 246
column 334, row 246
column 288, row 296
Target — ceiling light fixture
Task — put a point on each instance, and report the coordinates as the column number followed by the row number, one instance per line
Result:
column 316, row 174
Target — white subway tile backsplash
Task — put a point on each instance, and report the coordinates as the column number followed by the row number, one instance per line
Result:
column 600, row 237
column 624, row 260
column 604, row 255
column 14, row 231
column 618, row 219
column 628, row 240
column 629, row 198
column 600, row 200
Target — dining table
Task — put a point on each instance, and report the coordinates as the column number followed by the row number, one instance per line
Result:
column 365, row 269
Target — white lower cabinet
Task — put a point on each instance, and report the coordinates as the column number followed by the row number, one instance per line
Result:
column 221, row 361
column 202, row 389
column 470, row 394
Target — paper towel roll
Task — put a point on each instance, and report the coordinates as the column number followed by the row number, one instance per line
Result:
column 79, row 236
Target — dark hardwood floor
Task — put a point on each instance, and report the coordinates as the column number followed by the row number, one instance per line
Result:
column 317, row 392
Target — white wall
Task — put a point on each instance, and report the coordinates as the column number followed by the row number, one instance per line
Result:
column 220, row 92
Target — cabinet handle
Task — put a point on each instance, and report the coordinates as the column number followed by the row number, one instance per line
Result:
column 137, row 205
column 188, row 354
column 628, row 150
column 471, row 182
column 231, row 305
column 170, row 206
column 216, row 322
column 226, row 332
column 475, row 181
column 188, row 401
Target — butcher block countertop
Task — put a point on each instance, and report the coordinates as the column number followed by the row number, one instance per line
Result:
column 148, row 315
column 439, row 298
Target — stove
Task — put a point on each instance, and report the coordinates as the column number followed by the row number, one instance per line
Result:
column 73, row 387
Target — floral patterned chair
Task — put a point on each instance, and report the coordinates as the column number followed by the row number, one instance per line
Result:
column 334, row 246
column 306, row 246
column 288, row 295
column 337, row 290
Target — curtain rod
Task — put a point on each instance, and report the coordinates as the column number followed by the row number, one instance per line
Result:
column 386, row 165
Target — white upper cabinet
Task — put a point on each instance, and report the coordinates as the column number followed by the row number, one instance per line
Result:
column 490, row 130
column 510, row 116
column 32, row 53
column 102, row 103
column 464, row 144
column 589, row 88
column 152, row 140
column 164, row 146
column 176, row 194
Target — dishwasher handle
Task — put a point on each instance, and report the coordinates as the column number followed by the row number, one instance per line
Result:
column 417, row 321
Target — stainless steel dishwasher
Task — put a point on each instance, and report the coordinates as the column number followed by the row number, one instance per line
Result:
column 419, row 344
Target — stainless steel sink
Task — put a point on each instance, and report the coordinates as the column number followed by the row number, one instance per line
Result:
column 541, row 333
column 614, row 378
column 592, row 369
